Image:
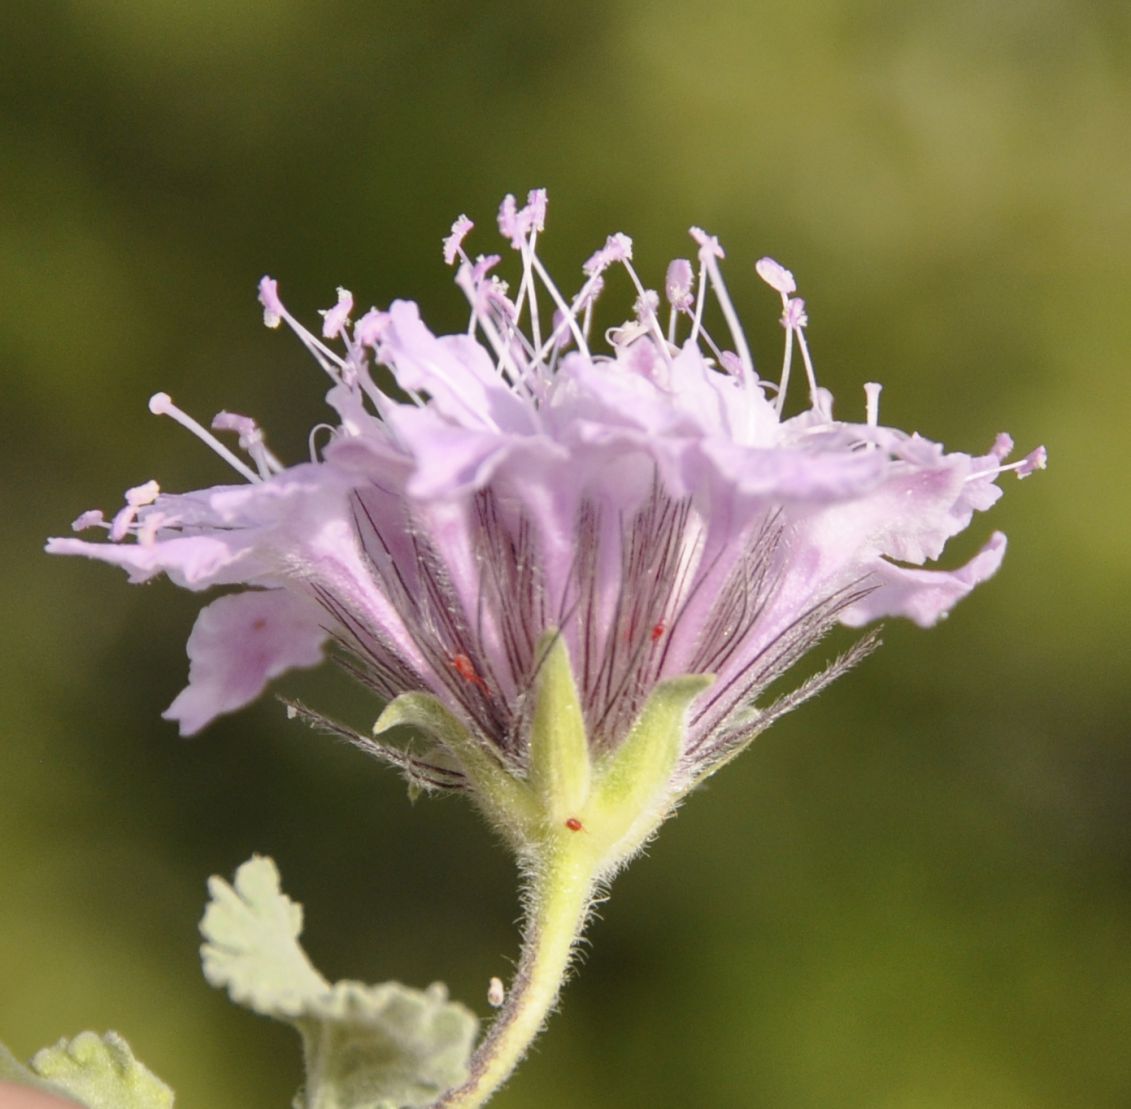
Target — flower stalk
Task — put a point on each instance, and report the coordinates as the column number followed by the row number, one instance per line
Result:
column 560, row 894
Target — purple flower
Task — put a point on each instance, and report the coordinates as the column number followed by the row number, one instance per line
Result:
column 653, row 505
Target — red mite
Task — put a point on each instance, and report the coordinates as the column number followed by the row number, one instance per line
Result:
column 657, row 631
column 573, row 824
column 466, row 670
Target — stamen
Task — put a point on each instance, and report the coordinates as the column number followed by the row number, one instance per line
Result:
column 136, row 498
column 645, row 306
column 274, row 311
column 678, row 283
column 147, row 532
column 793, row 319
column 528, row 284
column 92, row 518
column 516, row 224
column 617, row 248
column 251, row 441
column 1035, row 460
column 729, row 361
column 536, row 202
column 559, row 301
column 709, row 252
column 793, row 316
column 508, row 221
column 720, row 355
column 368, row 330
column 815, row 395
column 465, row 280
column 335, row 319
column 647, row 301
column 533, row 216
column 141, row 495
column 587, row 298
column 453, row 244
column 872, row 403
column 161, row 404
column 776, row 276
column 786, row 364
column 1032, row 462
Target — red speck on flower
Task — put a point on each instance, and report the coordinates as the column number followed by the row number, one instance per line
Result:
column 573, row 824
column 658, row 631
column 465, row 669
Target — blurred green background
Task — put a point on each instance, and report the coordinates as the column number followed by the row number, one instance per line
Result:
column 912, row 894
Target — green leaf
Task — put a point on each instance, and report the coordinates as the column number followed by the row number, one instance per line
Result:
column 253, row 950
column 12, row 1070
column 366, row 1047
column 101, row 1073
column 385, row 1045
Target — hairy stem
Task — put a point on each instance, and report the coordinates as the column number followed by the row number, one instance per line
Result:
column 559, row 896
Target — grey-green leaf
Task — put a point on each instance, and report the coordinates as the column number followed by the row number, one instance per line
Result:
column 101, row 1073
column 366, row 1047
column 12, row 1070
column 252, row 929
column 386, row 1045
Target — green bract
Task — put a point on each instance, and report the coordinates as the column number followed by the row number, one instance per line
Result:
column 612, row 802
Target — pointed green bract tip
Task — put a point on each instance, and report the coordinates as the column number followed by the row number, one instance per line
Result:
column 504, row 798
column 560, row 770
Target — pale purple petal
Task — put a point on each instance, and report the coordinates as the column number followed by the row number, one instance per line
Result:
column 925, row 596
column 454, row 371
column 795, row 475
column 194, row 562
column 239, row 644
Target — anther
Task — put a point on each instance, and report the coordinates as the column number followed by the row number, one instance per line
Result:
column 776, row 276
column 136, row 498
column 678, row 284
column 273, row 310
column 92, row 518
column 335, row 319
column 453, row 243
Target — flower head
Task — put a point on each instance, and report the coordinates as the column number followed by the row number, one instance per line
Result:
column 636, row 515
